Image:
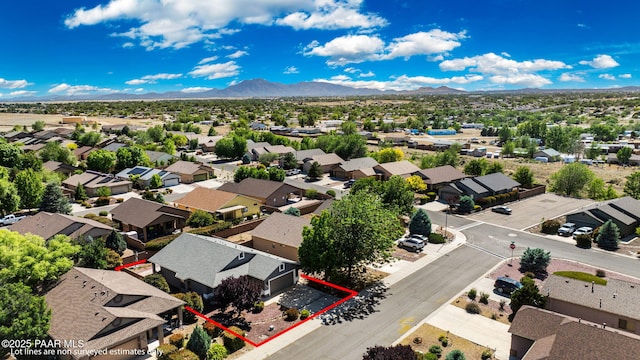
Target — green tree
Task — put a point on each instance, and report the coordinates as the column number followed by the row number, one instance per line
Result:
column 156, row 133
column 476, row 167
column 455, row 355
column 10, row 155
column 80, row 193
column 53, row 151
column 155, row 182
column 89, row 139
column 524, row 176
column 571, row 179
column 505, row 134
column 268, row 158
column 535, row 260
column 348, row 127
column 420, row 223
column 217, row 352
column 93, row 254
column 129, row 157
column 315, row 171
column 101, row 160
column 466, row 204
column 289, row 161
column 169, row 146
column 38, row 125
column 200, row 218
column 508, row 149
column 9, row 198
column 593, row 151
column 398, row 352
column 23, row 315
column 199, row 342
column 623, row 155
column 103, row 191
column 113, row 259
column 116, row 242
column 608, row 236
column 192, row 300
column 30, row 188
column 212, row 131
column 495, row 167
column 240, row 293
column 596, row 190
column 356, row 231
column 54, row 201
column 158, row 281
column 528, row 294
column 632, row 185
column 292, row 211
column 276, row 174
column 397, row 196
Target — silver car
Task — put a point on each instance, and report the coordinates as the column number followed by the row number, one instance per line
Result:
column 585, row 230
column 412, row 243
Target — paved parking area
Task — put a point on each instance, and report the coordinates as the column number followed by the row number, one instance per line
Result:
column 529, row 212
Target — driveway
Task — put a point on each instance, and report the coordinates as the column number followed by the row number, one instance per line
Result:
column 530, row 212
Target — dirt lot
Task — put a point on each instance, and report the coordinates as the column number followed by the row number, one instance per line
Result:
column 8, row 121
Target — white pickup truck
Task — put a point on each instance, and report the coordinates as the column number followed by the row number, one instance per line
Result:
column 10, row 219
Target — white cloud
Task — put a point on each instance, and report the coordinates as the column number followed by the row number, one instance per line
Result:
column 351, row 70
column 601, row 62
column 139, row 90
column 216, row 71
column 528, row 80
column 195, row 89
column 291, row 70
column 367, row 74
column 505, row 54
column 400, row 83
column 434, row 41
column 584, row 26
column 493, row 64
column 207, row 60
column 237, row 54
column 570, row 77
column 22, row 93
column 180, row 23
column 152, row 79
column 624, row 76
column 78, row 89
column 13, row 84
column 607, row 77
column 347, row 49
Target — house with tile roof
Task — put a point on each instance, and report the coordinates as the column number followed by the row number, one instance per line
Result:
column 146, row 174
column 538, row 334
column 190, row 172
column 47, row 225
column 624, row 212
column 221, row 204
column 404, row 168
column 111, row 310
column 149, row 219
column 200, row 263
column 93, row 180
column 356, row 168
column 270, row 193
column 280, row 234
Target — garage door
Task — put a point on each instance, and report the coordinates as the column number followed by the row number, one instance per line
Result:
column 171, row 182
column 281, row 282
column 200, row 177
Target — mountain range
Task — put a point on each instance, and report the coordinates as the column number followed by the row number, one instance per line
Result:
column 260, row 88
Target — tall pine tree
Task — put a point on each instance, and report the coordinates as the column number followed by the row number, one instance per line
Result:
column 54, row 201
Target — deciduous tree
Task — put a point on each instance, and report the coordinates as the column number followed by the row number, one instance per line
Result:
column 101, row 160
column 624, row 154
column 416, row 184
column 9, row 198
column 528, row 294
column 632, row 185
column 571, row 179
column 240, row 293
column 524, row 176
column 200, row 218
column 30, row 188
column 23, row 315
column 315, row 171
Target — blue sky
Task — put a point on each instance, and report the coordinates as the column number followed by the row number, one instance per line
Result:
column 72, row 47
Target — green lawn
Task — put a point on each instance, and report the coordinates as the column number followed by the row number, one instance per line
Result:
column 581, row 276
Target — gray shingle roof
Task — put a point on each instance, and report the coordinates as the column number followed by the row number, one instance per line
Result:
column 472, row 185
column 209, row 260
column 256, row 188
column 497, row 182
column 358, row 163
column 282, row 228
column 307, row 154
column 327, row 159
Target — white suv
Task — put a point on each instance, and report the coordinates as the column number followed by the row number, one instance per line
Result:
column 585, row 230
column 413, row 243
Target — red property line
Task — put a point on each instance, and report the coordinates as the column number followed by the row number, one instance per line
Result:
column 118, row 268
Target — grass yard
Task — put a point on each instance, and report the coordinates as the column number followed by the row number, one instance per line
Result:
column 582, row 276
column 429, row 336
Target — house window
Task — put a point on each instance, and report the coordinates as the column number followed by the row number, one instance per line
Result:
column 241, row 256
column 625, row 324
column 281, row 268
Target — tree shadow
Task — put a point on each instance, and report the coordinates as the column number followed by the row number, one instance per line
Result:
column 358, row 307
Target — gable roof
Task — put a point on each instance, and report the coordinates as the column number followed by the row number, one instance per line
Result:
column 496, row 182
column 141, row 213
column 48, row 225
column 209, row 200
column 257, row 188
column 307, row 154
column 441, row 175
column 358, row 164
column 85, row 301
column 327, row 159
column 548, row 152
column 468, row 183
column 282, row 228
column 94, row 179
column 626, row 210
column 187, row 167
column 157, row 155
column 404, row 167
column 209, row 260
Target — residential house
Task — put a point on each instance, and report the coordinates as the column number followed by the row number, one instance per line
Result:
column 303, row 156
column 16, row 135
column 270, row 193
column 612, row 158
column 356, row 168
column 221, row 204
column 280, row 234
column 538, row 334
column 98, row 310
column 47, row 225
column 478, row 187
column 437, row 177
column 93, row 180
column 327, row 162
column 149, row 219
column 146, row 174
column 58, row 167
column 402, row 168
column 159, row 157
column 549, row 153
column 200, row 263
column 190, row 172
column 119, row 128
column 624, row 212
column 615, row 304
column 205, row 142
column 279, row 150
column 258, row 126
column 82, row 152
column 114, row 146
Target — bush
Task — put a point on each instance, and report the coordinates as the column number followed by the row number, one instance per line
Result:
column 435, row 349
column 484, row 298
column 217, row 352
column 600, row 273
column 258, row 307
column 486, row 354
column 119, row 200
column 472, row 308
column 331, row 193
column 455, row 355
column 158, row 281
column 472, row 293
column 211, row 329
column 164, row 351
column 232, row 342
column 200, row 218
column 291, row 314
column 304, row 314
column 430, row 356
column 311, row 193
column 583, row 241
column 441, row 337
column 535, row 260
column 445, row 342
column 530, row 275
column 192, row 300
column 550, row 227
column 103, row 213
column 436, row 238
column 86, row 204
column 159, row 243
column 103, row 200
column 176, row 340
column 212, row 229
column 184, row 354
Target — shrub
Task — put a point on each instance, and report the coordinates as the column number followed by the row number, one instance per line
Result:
column 435, row 349
column 535, row 260
column 103, row 200
column 200, row 218
column 484, row 298
column 258, row 307
column 445, row 342
column 331, row 193
column 164, row 351
column 159, row 243
column 176, row 340
column 213, row 228
column 311, row 193
column 441, row 337
column 477, row 207
column 119, row 200
column 199, row 342
column 436, row 238
column 486, row 354
column 430, row 356
column 583, row 241
column 291, row 314
column 550, row 227
column 184, row 354
column 158, row 281
column 472, row 308
column 211, row 329
column 103, row 213
column 232, row 342
column 601, row 273
column 472, row 293
column 530, row 275
column 192, row 300
column 86, row 204
column 304, row 314
column 217, row 352
column 455, row 355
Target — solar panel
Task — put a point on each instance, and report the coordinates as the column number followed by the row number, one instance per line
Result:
column 137, row 171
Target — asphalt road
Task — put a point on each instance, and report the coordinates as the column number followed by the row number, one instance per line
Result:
column 407, row 303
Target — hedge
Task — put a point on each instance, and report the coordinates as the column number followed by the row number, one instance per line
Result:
column 232, row 342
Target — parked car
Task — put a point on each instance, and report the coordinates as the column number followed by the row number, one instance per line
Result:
column 506, row 285
column 585, row 230
column 567, row 229
column 10, row 219
column 412, row 243
column 502, row 210
column 293, row 172
column 420, row 237
column 349, row 183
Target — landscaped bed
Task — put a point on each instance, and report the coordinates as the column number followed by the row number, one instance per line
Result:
column 491, row 310
column 426, row 336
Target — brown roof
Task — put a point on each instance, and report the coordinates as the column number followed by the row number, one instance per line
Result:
column 442, row 175
column 257, row 188
column 327, row 159
column 47, row 225
column 186, row 167
column 404, row 167
column 86, row 301
column 92, row 179
column 142, row 213
column 570, row 338
column 282, row 228
column 206, row 199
